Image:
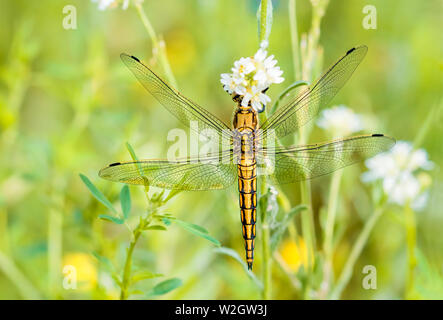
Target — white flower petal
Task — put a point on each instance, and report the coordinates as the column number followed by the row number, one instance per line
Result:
column 340, row 121
column 251, row 75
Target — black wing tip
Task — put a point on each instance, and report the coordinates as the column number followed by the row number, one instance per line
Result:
column 114, row 164
column 357, row 47
column 125, row 55
column 392, row 140
column 103, row 173
column 350, row 50
column 383, row 135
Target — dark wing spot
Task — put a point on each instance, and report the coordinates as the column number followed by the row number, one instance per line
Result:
column 114, row 164
column 135, row 58
column 378, row 135
column 350, row 50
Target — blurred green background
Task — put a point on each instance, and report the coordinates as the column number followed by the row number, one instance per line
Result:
column 68, row 105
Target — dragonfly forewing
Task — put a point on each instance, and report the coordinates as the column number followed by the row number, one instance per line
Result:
column 304, row 108
column 181, row 107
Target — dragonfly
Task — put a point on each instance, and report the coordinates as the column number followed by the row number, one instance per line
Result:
column 248, row 152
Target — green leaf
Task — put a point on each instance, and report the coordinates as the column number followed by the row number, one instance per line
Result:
column 131, row 151
column 117, row 280
column 166, row 221
column 235, row 255
column 193, row 226
column 283, row 225
column 140, row 169
column 125, row 201
column 165, row 287
column 104, row 261
column 143, row 275
column 156, row 227
column 197, row 230
column 264, row 18
column 97, row 194
column 111, row 218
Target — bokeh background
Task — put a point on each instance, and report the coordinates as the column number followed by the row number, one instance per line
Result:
column 68, row 105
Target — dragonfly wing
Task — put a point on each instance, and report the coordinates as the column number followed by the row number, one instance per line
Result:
column 295, row 114
column 181, row 107
column 211, row 172
column 292, row 164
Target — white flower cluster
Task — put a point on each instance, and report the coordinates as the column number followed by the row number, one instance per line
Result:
column 108, row 4
column 251, row 76
column 340, row 121
column 400, row 171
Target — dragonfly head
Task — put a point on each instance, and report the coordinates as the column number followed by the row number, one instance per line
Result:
column 237, row 98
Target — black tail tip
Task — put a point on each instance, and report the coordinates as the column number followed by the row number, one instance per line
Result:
column 250, row 266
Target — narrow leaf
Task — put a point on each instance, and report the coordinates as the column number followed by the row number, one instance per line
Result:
column 156, row 227
column 117, row 280
column 166, row 221
column 197, row 230
column 280, row 230
column 97, row 194
column 111, row 218
column 143, row 275
column 166, row 286
column 193, row 226
column 140, row 169
column 131, row 151
column 235, row 255
column 104, row 261
column 125, row 201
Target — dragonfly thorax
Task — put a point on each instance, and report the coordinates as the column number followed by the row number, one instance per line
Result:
column 245, row 124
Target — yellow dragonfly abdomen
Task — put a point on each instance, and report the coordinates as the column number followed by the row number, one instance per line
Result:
column 245, row 124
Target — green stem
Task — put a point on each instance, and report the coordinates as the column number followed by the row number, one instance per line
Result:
column 307, row 217
column 330, row 222
column 294, row 39
column 307, row 221
column 158, row 45
column 362, row 239
column 126, row 279
column 263, row 22
column 267, row 261
column 266, row 243
column 411, row 240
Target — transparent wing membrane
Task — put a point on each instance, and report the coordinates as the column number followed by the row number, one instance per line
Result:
column 284, row 164
column 181, row 107
column 292, row 164
column 295, row 114
column 212, row 172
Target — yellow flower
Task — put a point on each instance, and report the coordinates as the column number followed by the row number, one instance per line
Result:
column 295, row 254
column 85, row 272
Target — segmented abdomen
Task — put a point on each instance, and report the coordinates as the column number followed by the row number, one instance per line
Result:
column 247, row 187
